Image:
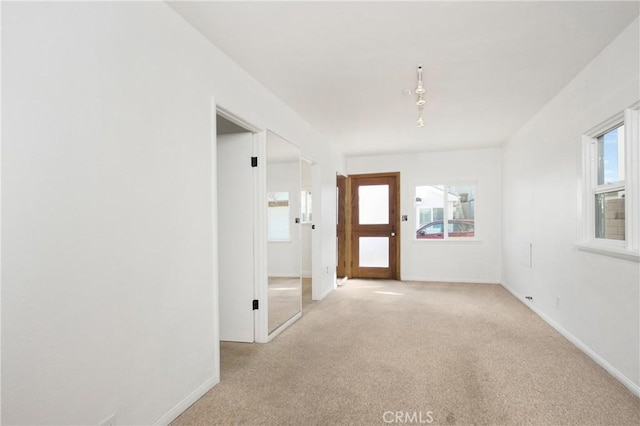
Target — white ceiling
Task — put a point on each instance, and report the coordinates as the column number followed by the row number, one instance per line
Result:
column 343, row 66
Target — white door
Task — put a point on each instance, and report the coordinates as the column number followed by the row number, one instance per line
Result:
column 235, row 237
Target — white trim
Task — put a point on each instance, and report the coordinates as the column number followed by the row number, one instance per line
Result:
column 230, row 116
column 449, row 280
column 318, row 266
column 1, row 223
column 284, row 275
column 628, row 383
column 607, row 125
column 214, row 242
column 260, row 243
column 259, row 227
column 588, row 180
column 328, row 290
column 627, row 249
column 609, row 187
column 449, row 240
column 632, row 178
column 180, row 407
column 611, row 251
column 282, row 327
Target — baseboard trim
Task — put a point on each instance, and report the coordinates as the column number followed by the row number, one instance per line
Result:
column 461, row 281
column 284, row 326
column 285, row 275
column 180, row 407
column 326, row 293
column 634, row 388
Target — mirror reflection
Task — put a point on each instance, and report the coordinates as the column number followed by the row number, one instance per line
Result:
column 306, row 238
column 283, row 230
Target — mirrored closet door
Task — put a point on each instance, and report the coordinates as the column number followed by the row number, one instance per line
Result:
column 283, row 231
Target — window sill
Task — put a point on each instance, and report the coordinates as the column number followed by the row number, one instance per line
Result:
column 618, row 253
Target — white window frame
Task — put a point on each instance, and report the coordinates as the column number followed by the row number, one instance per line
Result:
column 627, row 249
column 445, row 221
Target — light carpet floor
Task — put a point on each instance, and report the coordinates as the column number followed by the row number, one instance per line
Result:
column 446, row 353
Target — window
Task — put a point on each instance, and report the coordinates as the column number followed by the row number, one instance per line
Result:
column 305, row 206
column 434, row 203
column 278, row 219
column 610, row 193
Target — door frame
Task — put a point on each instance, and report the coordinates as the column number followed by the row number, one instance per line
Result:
column 316, row 240
column 260, row 241
column 260, row 290
column 341, row 228
column 349, row 221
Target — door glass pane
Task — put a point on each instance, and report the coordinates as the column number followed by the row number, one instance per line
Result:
column 373, row 204
column 374, row 252
column 611, row 156
column 610, row 215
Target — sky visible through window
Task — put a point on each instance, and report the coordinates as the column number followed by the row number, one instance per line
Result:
column 612, row 157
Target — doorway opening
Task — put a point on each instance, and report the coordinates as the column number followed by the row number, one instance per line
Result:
column 235, row 217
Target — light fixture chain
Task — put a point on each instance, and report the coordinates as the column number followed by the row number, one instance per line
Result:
column 420, row 93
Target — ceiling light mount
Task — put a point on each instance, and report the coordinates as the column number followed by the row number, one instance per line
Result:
column 420, row 95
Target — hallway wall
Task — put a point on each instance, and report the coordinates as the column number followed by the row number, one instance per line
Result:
column 109, row 269
column 599, row 296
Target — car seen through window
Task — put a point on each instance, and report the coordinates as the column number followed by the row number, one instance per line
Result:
column 456, row 228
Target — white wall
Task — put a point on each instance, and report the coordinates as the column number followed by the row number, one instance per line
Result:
column 306, row 247
column 108, row 197
column 599, row 295
column 457, row 261
column 306, row 184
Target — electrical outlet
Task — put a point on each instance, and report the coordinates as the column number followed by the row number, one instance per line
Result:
column 112, row 420
column 558, row 302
